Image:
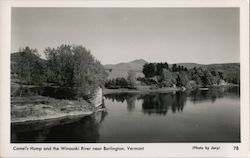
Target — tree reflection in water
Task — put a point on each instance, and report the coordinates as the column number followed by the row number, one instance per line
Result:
column 161, row 103
column 131, row 103
column 88, row 129
column 198, row 96
column 130, row 99
column 84, row 129
column 153, row 102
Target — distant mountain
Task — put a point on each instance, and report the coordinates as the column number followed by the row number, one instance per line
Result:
column 133, row 65
column 224, row 66
column 218, row 67
column 121, row 69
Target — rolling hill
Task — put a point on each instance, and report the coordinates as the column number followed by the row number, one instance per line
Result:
column 121, row 69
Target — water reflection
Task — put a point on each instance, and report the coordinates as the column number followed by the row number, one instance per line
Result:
column 84, row 129
column 158, row 103
column 198, row 96
column 133, row 117
column 131, row 103
column 161, row 103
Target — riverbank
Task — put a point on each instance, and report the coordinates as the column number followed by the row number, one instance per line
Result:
column 39, row 108
column 140, row 90
column 34, row 108
column 148, row 89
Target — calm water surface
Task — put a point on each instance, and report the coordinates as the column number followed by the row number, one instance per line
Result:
column 197, row 116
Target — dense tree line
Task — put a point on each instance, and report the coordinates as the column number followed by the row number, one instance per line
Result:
column 153, row 69
column 180, row 76
column 116, row 83
column 122, row 82
column 156, row 69
column 69, row 66
column 163, row 75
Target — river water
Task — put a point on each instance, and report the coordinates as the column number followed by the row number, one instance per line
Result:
column 198, row 116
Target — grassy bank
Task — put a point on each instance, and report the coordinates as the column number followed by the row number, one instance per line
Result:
column 32, row 108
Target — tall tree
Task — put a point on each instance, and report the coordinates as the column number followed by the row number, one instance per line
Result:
column 132, row 77
column 166, row 78
column 149, row 70
column 182, row 79
column 174, row 67
column 207, row 78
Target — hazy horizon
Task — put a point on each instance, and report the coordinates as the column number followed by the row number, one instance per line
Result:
column 170, row 63
column 116, row 35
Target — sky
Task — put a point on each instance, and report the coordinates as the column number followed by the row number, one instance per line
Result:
column 114, row 35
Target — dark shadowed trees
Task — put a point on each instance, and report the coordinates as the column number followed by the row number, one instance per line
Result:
column 160, row 67
column 28, row 66
column 149, row 70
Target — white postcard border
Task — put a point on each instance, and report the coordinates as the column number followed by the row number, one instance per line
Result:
column 150, row 149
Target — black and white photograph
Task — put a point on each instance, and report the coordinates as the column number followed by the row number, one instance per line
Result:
column 127, row 78
column 125, row 75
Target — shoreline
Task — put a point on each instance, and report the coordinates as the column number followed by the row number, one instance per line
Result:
column 40, row 108
column 39, row 124
column 52, row 117
column 165, row 90
column 56, row 117
column 125, row 90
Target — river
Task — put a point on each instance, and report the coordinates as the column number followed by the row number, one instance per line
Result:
column 197, row 116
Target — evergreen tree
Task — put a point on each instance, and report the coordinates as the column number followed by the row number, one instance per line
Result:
column 149, row 70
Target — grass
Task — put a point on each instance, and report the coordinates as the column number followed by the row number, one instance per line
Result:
column 30, row 108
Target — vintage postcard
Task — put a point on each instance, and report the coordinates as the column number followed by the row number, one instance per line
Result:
column 124, row 79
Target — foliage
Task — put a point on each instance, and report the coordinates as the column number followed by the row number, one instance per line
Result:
column 132, row 78
column 160, row 67
column 228, row 72
column 116, row 83
column 204, row 76
column 178, row 68
column 67, row 66
column 147, row 81
column 166, row 78
column 182, row 79
column 74, row 67
column 154, row 69
column 149, row 70
column 28, row 66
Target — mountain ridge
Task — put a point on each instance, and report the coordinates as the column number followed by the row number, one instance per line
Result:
column 121, row 69
column 182, row 64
